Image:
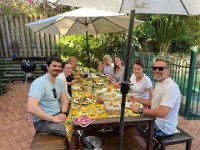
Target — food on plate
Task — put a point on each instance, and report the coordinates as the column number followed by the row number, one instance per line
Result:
column 112, row 108
column 138, row 105
column 129, row 103
column 83, row 101
column 100, row 99
column 113, row 105
column 110, row 96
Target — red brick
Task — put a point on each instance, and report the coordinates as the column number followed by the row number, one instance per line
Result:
column 25, row 144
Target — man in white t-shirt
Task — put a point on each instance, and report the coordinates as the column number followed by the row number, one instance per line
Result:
column 165, row 102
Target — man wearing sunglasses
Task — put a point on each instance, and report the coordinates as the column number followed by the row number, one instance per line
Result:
column 164, row 104
column 47, row 100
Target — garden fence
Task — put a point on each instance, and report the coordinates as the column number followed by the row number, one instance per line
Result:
column 18, row 40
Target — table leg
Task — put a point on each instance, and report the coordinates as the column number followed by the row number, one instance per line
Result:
column 76, row 141
column 150, row 137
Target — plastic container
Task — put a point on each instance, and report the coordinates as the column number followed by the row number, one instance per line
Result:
column 95, row 141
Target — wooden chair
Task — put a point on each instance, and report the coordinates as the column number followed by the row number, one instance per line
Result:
column 179, row 137
column 43, row 141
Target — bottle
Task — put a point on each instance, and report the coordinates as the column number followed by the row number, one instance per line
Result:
column 84, row 142
column 94, row 88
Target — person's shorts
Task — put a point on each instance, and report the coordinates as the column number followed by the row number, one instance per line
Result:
column 158, row 132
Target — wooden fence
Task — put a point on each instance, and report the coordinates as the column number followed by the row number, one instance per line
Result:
column 18, row 39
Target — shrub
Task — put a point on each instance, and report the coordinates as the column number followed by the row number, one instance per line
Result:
column 3, row 83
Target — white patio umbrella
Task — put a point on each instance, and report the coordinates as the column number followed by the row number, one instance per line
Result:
column 182, row 7
column 83, row 21
column 179, row 7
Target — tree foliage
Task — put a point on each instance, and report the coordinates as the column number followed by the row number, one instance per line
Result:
column 169, row 33
column 113, row 44
column 16, row 7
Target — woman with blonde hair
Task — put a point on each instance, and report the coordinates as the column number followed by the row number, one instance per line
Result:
column 73, row 62
column 106, row 67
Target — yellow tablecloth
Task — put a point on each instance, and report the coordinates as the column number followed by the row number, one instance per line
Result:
column 93, row 110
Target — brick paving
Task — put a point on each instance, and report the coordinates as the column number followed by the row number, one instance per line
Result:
column 16, row 128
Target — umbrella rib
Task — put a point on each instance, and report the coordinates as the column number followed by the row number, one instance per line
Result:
column 75, row 20
column 55, row 23
column 94, row 27
column 115, row 24
column 184, row 7
column 121, row 6
column 50, row 25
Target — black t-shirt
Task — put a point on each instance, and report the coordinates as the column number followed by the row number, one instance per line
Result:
column 69, row 79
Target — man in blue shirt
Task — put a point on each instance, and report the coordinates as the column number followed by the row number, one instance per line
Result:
column 47, row 100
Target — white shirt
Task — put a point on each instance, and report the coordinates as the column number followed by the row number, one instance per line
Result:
column 140, row 89
column 167, row 93
column 63, row 78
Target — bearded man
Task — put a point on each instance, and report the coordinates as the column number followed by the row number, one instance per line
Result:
column 164, row 104
column 47, row 100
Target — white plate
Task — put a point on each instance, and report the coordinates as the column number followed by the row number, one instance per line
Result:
column 128, row 104
column 102, row 90
column 76, row 88
column 77, row 101
column 111, row 96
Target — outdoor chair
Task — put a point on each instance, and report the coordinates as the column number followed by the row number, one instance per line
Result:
column 179, row 137
column 43, row 141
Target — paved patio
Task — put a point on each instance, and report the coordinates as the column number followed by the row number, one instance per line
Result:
column 16, row 129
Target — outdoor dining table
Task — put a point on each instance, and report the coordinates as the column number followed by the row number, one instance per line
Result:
column 96, row 111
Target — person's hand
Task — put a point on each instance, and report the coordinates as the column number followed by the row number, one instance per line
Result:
column 111, row 77
column 73, row 81
column 117, row 85
column 134, row 108
column 59, row 118
column 133, row 99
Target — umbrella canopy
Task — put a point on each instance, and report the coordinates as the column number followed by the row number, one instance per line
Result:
column 76, row 22
column 181, row 7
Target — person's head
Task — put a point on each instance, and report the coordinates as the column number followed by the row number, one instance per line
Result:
column 67, row 68
column 161, row 69
column 107, row 59
column 138, row 68
column 117, row 63
column 73, row 61
column 54, row 64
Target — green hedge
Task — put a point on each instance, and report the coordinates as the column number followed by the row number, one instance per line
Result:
column 3, row 83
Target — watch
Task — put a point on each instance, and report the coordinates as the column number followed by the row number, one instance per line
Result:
column 140, row 110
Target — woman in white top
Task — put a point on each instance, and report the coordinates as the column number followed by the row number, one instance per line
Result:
column 142, row 89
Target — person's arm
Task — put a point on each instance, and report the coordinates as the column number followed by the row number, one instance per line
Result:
column 33, row 108
column 100, row 67
column 160, row 112
column 64, row 103
column 146, row 102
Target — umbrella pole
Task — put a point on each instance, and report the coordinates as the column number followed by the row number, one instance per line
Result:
column 125, row 85
column 88, row 53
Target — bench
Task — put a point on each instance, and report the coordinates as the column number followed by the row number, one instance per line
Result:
column 179, row 137
column 43, row 141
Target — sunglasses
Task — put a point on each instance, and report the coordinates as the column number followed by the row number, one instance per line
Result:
column 159, row 68
column 54, row 93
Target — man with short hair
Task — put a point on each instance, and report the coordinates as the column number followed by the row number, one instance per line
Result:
column 165, row 102
column 47, row 100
